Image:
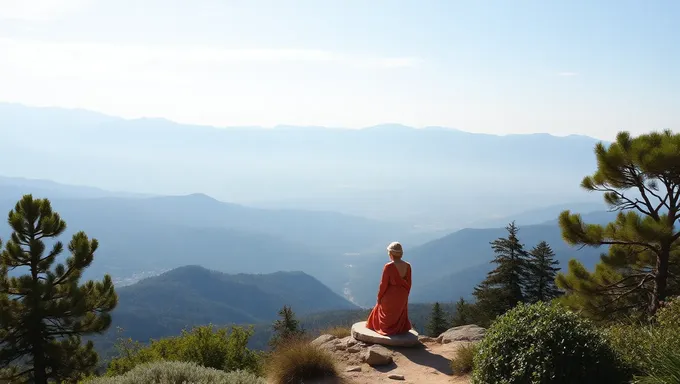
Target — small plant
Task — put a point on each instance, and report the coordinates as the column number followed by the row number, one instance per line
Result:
column 338, row 331
column 463, row 362
column 543, row 343
column 176, row 372
column 297, row 361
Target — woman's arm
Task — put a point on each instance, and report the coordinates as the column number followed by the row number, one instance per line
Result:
column 384, row 283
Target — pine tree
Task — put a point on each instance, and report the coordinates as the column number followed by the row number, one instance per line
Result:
column 286, row 328
column 640, row 178
column 465, row 313
column 502, row 289
column 44, row 312
column 541, row 272
column 437, row 322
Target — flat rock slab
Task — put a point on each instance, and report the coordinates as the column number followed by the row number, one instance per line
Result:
column 470, row 333
column 361, row 333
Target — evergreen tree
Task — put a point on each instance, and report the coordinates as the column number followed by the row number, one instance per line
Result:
column 286, row 328
column 44, row 312
column 639, row 177
column 502, row 289
column 465, row 313
column 541, row 273
column 437, row 322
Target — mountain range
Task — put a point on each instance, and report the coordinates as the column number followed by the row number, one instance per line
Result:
column 424, row 177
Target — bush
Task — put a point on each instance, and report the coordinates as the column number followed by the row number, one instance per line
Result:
column 202, row 345
column 298, row 361
column 339, row 332
column 176, row 372
column 463, row 362
column 544, row 343
column 651, row 349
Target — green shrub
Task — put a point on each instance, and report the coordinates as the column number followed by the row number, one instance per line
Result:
column 204, row 345
column 463, row 362
column 297, row 361
column 176, row 372
column 544, row 343
column 665, row 368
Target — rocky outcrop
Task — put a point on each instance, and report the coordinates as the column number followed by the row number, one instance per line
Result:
column 360, row 332
column 377, row 355
column 469, row 333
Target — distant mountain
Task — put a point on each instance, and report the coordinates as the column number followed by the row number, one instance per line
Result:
column 187, row 296
column 435, row 178
column 450, row 267
column 539, row 215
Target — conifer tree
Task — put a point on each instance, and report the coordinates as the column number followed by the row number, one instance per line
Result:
column 502, row 289
column 465, row 313
column 44, row 312
column 286, row 328
column 640, row 178
column 437, row 322
column 541, row 272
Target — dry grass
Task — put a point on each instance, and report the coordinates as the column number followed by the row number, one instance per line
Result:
column 298, row 361
column 338, row 331
column 462, row 364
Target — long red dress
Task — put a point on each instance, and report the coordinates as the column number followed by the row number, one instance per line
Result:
column 390, row 314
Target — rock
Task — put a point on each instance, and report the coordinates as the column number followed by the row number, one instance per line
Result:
column 323, row 339
column 353, row 369
column 334, row 345
column 396, row 377
column 377, row 355
column 470, row 333
column 425, row 339
column 360, row 332
column 353, row 349
column 350, row 341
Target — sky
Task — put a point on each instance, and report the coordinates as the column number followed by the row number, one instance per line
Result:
column 561, row 67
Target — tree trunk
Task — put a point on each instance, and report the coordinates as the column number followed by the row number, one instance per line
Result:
column 661, row 278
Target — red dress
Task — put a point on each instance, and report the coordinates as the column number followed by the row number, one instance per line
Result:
column 390, row 314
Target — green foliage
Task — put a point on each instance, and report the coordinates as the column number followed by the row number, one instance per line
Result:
column 641, row 178
column 437, row 323
column 297, row 361
column 175, row 372
column 44, row 312
column 541, row 272
column 203, row 345
column 650, row 349
column 463, row 362
column 286, row 328
column 502, row 289
column 541, row 343
column 463, row 314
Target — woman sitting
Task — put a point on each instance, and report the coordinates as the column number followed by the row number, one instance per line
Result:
column 390, row 314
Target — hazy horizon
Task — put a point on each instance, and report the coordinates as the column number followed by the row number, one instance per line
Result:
column 565, row 67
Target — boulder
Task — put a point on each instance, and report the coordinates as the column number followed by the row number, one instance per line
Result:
column 377, row 355
column 470, row 333
column 323, row 339
column 361, row 333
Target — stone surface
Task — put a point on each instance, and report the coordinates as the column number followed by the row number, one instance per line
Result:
column 323, row 339
column 425, row 339
column 377, row 355
column 396, row 377
column 353, row 369
column 470, row 333
column 360, row 332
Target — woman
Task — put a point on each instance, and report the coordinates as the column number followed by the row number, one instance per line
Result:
column 390, row 314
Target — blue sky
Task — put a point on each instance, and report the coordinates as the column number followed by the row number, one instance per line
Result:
column 563, row 67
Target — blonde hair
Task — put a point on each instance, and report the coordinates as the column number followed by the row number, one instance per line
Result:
column 395, row 250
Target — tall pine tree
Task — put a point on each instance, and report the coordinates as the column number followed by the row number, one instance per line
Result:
column 286, row 328
column 541, row 272
column 639, row 177
column 44, row 312
column 437, row 323
column 464, row 314
column 502, row 289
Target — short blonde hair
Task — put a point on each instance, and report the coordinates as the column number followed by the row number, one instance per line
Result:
column 395, row 249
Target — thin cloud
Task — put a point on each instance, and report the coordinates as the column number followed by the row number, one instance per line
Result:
column 567, row 74
column 110, row 56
